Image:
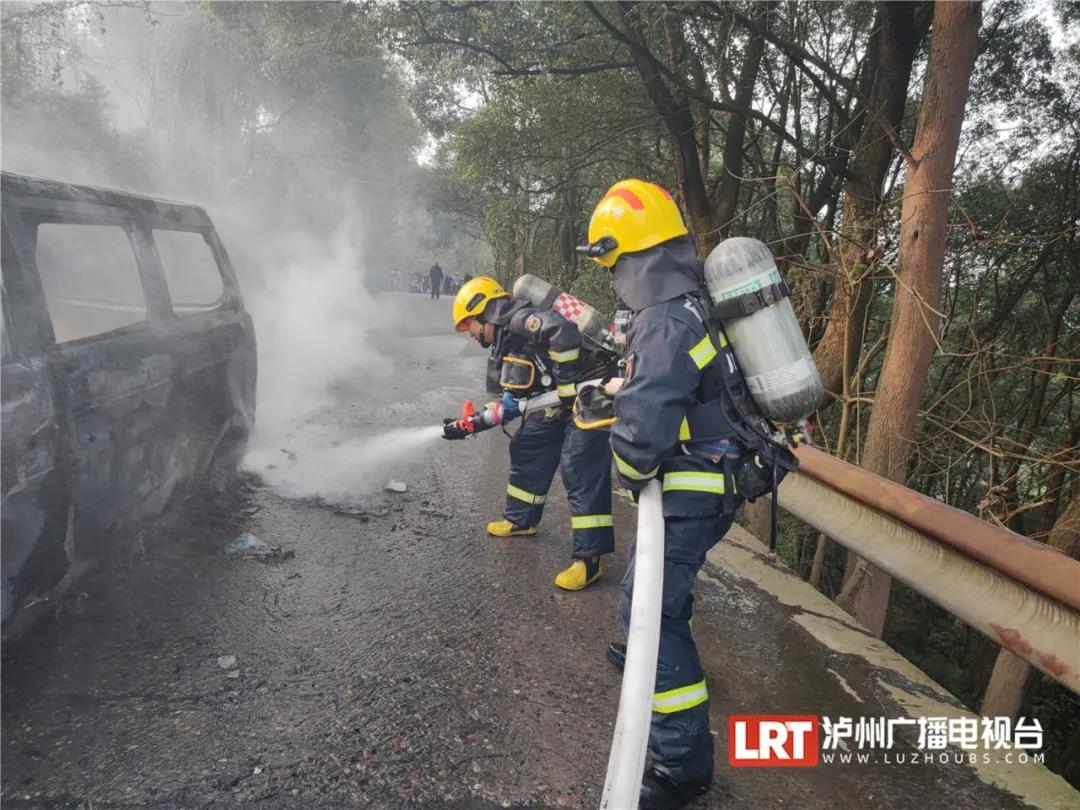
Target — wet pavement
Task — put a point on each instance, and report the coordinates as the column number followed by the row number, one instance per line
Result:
column 394, row 655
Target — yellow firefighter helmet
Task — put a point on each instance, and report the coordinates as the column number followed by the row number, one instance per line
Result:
column 473, row 297
column 634, row 215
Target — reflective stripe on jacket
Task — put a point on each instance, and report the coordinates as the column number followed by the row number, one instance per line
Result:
column 553, row 335
column 663, row 377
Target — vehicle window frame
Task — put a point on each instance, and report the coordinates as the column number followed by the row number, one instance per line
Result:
column 27, row 320
column 227, row 299
column 152, row 286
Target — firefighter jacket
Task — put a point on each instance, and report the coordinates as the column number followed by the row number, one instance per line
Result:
column 545, row 340
column 673, row 395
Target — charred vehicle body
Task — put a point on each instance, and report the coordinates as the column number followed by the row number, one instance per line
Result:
column 129, row 371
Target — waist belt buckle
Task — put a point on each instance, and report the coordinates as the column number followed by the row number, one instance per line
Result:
column 715, row 451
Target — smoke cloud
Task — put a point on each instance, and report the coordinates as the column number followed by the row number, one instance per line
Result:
column 306, row 164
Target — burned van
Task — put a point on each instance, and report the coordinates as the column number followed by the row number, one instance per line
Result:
column 128, row 371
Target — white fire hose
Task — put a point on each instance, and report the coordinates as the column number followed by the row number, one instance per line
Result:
column 626, row 765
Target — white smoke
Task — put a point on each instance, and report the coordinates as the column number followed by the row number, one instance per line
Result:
column 312, row 226
column 317, row 325
column 325, row 343
column 337, row 469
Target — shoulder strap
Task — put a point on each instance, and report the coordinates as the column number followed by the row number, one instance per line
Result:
column 748, row 303
column 752, row 428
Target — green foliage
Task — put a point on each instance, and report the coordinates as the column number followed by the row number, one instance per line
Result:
column 288, row 115
column 539, row 107
column 44, row 115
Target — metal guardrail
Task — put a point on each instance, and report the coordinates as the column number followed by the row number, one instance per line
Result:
column 1021, row 594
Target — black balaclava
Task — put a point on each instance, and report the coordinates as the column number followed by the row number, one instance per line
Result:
column 662, row 273
column 499, row 310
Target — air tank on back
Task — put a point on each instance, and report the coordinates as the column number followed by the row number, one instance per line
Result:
column 755, row 311
column 543, row 295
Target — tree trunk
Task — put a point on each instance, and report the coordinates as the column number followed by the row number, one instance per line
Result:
column 898, row 30
column 770, row 226
column 1042, row 371
column 727, row 196
column 1005, row 691
column 1065, row 536
column 1056, row 481
column 677, row 114
column 915, row 318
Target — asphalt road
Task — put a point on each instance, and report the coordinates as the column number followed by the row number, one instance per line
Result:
column 401, row 657
column 398, row 656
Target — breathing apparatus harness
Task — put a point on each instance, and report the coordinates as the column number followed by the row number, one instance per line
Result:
column 726, row 409
column 769, row 447
column 528, row 375
column 592, row 408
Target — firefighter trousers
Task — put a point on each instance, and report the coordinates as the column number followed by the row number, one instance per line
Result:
column 694, row 521
column 545, row 441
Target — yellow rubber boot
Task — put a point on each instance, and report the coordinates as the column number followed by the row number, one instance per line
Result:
column 580, row 574
column 504, row 528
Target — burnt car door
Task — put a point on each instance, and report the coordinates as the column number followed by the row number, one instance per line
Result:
column 129, row 370
column 214, row 346
column 112, row 360
column 34, row 455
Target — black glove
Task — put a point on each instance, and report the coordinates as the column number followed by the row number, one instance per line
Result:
column 753, row 477
column 452, row 429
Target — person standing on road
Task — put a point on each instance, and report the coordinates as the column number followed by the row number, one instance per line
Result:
column 436, row 275
column 665, row 429
column 533, row 351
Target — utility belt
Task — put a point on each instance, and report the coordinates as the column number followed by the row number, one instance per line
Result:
column 736, row 475
column 708, row 422
column 707, row 432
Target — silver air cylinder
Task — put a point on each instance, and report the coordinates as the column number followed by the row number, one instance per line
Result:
column 542, row 295
column 741, row 275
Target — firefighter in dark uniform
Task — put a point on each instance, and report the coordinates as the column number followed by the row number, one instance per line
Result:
column 533, row 351
column 671, row 424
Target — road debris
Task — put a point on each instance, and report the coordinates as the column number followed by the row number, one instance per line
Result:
column 395, row 486
column 248, row 546
column 359, row 514
column 227, row 661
